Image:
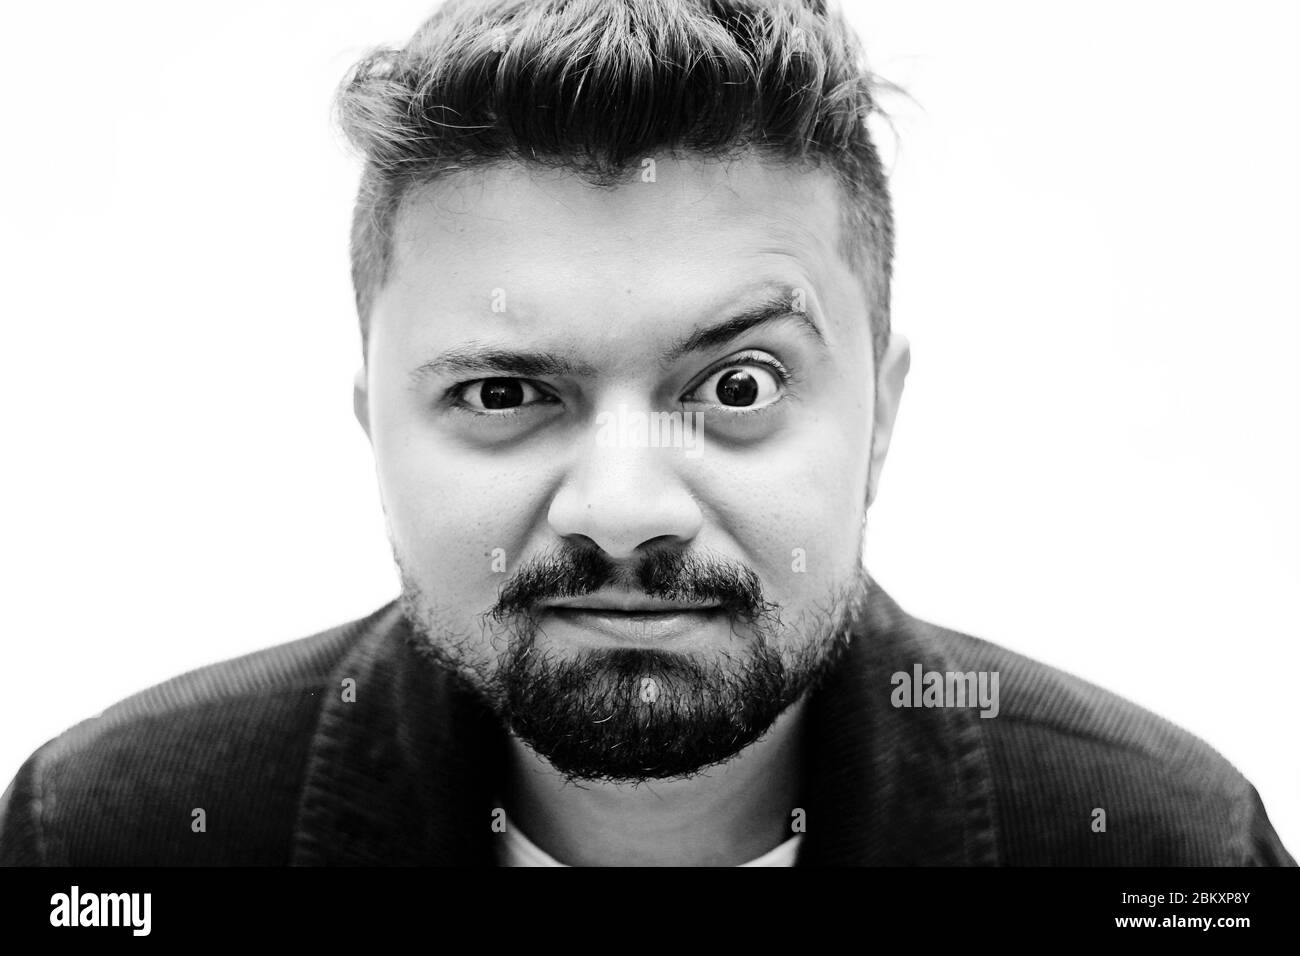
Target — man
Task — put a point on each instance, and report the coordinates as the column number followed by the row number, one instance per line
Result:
column 622, row 269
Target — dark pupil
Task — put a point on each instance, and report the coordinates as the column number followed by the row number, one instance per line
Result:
column 737, row 388
column 501, row 393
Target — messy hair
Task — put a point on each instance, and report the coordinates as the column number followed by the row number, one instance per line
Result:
column 593, row 86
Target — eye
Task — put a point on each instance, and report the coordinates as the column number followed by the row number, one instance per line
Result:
column 751, row 383
column 500, row 394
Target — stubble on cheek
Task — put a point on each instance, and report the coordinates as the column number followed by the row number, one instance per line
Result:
column 457, row 638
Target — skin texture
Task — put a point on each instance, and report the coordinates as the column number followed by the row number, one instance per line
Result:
column 610, row 279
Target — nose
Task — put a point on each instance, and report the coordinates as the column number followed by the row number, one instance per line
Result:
column 621, row 497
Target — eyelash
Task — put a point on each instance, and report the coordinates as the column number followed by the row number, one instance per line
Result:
column 455, row 400
column 749, row 358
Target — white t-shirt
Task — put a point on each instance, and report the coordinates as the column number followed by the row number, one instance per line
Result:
column 515, row 849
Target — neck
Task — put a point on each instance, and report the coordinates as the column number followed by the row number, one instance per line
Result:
column 725, row 816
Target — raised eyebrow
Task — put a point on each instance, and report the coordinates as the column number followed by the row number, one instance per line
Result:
column 475, row 358
column 765, row 313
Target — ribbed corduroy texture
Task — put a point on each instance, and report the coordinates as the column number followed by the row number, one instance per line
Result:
column 288, row 772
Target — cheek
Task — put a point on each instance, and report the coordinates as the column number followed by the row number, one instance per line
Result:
column 456, row 520
column 795, row 511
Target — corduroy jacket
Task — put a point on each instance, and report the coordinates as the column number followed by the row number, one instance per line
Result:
column 288, row 769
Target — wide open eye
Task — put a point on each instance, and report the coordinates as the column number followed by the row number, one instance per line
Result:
column 740, row 385
column 500, row 394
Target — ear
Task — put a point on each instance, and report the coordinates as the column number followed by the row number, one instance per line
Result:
column 361, row 400
column 889, row 391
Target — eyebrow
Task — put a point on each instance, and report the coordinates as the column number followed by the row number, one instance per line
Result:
column 474, row 358
column 772, row 308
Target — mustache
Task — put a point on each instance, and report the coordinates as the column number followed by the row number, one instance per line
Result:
column 674, row 575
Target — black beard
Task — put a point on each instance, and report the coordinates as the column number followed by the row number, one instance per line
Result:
column 627, row 716
column 631, row 715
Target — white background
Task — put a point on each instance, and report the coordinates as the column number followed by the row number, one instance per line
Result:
column 1096, row 458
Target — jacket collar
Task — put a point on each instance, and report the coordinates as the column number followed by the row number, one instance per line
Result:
column 404, row 774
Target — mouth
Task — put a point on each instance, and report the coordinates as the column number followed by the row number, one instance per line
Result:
column 629, row 602
column 633, row 618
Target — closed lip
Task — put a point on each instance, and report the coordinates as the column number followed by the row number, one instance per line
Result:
column 628, row 602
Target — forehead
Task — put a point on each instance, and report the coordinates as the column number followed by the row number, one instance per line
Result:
column 689, row 238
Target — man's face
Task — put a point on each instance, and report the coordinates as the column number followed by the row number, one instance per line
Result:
column 637, row 595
